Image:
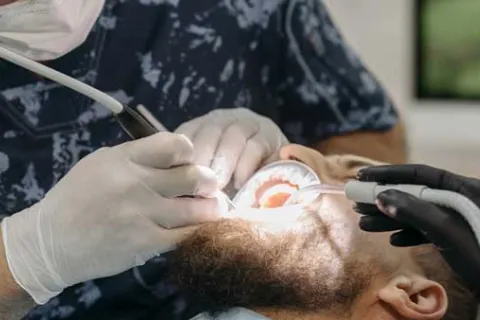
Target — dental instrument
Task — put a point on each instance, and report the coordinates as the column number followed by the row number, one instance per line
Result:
column 310, row 193
column 133, row 122
column 227, row 201
column 138, row 123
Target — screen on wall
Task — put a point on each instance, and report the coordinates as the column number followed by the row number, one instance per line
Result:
column 448, row 49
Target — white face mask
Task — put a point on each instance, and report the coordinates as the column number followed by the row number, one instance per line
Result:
column 233, row 314
column 47, row 29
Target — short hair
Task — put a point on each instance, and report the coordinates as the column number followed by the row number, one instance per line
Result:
column 462, row 302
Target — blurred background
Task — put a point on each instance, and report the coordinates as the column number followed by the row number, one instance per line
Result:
column 426, row 53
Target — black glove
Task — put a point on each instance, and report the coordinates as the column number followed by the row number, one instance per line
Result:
column 421, row 222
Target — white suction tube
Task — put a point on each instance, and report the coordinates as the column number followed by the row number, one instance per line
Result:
column 49, row 73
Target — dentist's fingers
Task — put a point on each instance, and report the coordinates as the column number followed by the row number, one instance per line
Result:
column 230, row 149
column 162, row 150
column 190, row 180
column 188, row 211
column 250, row 161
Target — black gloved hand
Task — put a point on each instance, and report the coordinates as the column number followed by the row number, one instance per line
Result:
column 422, row 222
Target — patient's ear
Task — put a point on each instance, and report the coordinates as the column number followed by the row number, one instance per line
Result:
column 310, row 157
column 331, row 168
column 416, row 297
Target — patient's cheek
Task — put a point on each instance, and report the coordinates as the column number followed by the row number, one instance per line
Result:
column 342, row 207
column 338, row 222
column 346, row 234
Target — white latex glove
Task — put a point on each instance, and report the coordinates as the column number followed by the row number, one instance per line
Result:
column 111, row 212
column 234, row 143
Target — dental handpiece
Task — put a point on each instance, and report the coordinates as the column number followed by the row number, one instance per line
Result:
column 367, row 192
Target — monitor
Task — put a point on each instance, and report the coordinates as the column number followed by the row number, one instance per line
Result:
column 447, row 50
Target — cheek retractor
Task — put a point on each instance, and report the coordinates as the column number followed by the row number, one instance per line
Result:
column 272, row 185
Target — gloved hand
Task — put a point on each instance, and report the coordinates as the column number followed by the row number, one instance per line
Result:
column 422, row 222
column 114, row 210
column 234, row 143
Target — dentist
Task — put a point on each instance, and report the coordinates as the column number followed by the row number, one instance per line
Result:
column 116, row 209
column 183, row 60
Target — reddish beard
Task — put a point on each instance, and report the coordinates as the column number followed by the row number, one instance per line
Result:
column 228, row 263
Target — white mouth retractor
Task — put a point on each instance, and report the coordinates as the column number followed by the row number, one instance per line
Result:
column 291, row 176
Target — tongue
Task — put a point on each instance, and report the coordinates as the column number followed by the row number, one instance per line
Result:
column 276, row 200
column 275, row 194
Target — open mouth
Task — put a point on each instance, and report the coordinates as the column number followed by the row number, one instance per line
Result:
column 274, row 193
column 271, row 186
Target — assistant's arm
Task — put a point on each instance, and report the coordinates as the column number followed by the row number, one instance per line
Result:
column 389, row 146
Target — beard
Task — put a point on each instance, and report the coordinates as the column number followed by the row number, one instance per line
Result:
column 237, row 263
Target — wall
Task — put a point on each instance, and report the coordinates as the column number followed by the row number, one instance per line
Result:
column 367, row 24
column 381, row 31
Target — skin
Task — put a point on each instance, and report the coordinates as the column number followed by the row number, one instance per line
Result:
column 406, row 295
column 389, row 146
column 264, row 274
column 387, row 298
column 14, row 301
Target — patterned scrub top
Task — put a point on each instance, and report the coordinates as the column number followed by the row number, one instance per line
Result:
column 180, row 59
